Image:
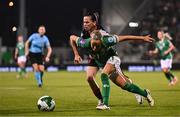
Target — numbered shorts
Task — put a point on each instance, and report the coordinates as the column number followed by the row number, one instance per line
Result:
column 21, row 59
column 166, row 63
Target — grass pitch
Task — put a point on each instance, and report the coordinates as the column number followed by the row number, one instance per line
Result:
column 73, row 97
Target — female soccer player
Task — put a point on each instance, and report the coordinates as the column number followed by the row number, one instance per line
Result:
column 37, row 42
column 90, row 23
column 164, row 47
column 100, row 49
column 20, row 56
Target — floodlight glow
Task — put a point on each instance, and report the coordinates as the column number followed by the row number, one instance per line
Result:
column 11, row 4
column 14, row 28
column 133, row 24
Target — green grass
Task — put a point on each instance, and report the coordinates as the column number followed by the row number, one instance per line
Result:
column 73, row 97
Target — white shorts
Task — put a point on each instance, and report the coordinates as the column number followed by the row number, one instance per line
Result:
column 116, row 61
column 166, row 63
column 21, row 59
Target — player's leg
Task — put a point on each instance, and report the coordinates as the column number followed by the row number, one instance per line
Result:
column 113, row 77
column 41, row 70
column 108, row 68
column 91, row 73
column 20, row 71
column 37, row 74
column 34, row 61
column 24, row 69
column 165, row 66
column 22, row 66
column 131, row 87
column 169, row 78
column 174, row 78
column 19, row 62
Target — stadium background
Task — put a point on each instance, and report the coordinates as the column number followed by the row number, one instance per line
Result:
column 63, row 18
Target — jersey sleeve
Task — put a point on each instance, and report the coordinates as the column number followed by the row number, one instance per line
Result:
column 83, row 43
column 168, row 42
column 156, row 45
column 31, row 37
column 110, row 40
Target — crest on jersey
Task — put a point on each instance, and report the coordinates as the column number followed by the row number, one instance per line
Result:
column 110, row 39
column 82, row 41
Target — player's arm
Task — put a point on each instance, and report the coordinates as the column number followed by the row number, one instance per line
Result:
column 49, row 52
column 16, row 53
column 171, row 48
column 146, row 38
column 73, row 40
column 167, row 35
column 27, row 47
column 152, row 52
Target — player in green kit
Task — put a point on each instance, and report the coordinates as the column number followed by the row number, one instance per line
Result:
column 100, row 49
column 20, row 56
column 91, row 23
column 164, row 47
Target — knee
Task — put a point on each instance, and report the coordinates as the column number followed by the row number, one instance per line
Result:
column 165, row 70
column 104, row 78
column 41, row 69
column 36, row 69
column 129, row 81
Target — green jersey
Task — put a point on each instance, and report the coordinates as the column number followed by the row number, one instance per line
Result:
column 21, row 48
column 162, row 46
column 106, row 51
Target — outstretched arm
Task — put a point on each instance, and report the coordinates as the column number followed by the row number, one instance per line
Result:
column 77, row 58
column 131, row 37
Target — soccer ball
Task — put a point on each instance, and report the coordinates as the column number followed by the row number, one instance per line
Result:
column 46, row 103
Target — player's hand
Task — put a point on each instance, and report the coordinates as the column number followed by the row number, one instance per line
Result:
column 150, row 52
column 77, row 59
column 166, row 52
column 147, row 38
column 47, row 59
column 26, row 54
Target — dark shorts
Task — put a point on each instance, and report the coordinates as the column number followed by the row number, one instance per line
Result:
column 91, row 62
column 36, row 58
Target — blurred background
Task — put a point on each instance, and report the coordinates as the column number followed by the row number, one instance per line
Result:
column 64, row 17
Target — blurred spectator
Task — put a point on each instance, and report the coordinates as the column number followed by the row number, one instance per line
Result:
column 7, row 57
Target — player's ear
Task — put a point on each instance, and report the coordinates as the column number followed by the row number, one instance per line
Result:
column 94, row 23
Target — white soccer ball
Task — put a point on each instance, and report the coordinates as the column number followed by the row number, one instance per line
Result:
column 46, row 103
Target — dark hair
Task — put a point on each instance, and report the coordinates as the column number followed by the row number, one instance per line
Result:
column 94, row 16
column 41, row 26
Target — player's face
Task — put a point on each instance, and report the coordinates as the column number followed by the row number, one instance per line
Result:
column 41, row 30
column 95, row 45
column 20, row 38
column 160, row 35
column 88, row 24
